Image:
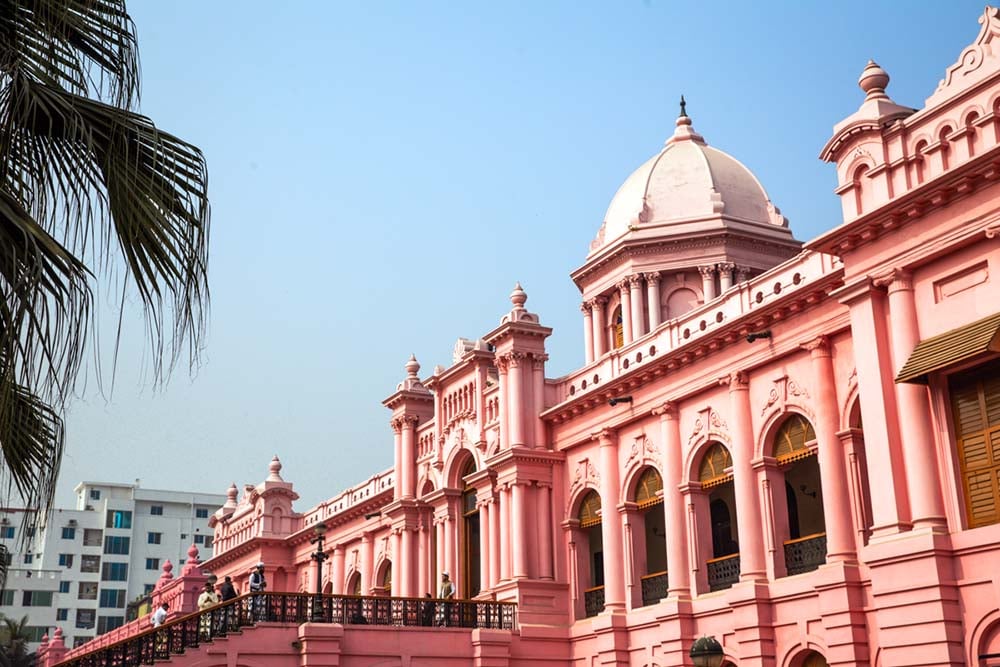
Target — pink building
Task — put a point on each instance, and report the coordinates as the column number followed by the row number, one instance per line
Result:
column 794, row 448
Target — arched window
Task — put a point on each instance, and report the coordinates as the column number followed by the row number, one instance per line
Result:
column 354, row 584
column 617, row 330
column 386, row 583
column 795, row 452
column 715, row 475
column 971, row 136
column 860, row 180
column 919, row 160
column 590, row 526
column 650, row 544
column 679, row 302
column 471, row 557
column 814, row 659
column 975, row 404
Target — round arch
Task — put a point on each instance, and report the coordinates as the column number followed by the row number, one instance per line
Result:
column 692, row 466
column 455, row 465
column 773, row 423
column 984, row 638
column 797, row 654
column 632, row 478
column 576, row 499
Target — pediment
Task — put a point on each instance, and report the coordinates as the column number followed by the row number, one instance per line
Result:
column 977, row 61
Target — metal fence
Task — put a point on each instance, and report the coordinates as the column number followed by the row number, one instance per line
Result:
column 190, row 631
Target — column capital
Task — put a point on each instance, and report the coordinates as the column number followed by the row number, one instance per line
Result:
column 409, row 421
column 896, row 280
column 652, row 276
column 397, row 425
column 707, row 271
column 512, row 359
column 736, row 380
column 598, row 302
column 667, row 411
column 606, row 437
column 622, row 285
column 818, row 346
column 585, row 307
column 634, row 280
column 538, row 361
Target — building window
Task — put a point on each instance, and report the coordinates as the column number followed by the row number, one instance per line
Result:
column 153, row 538
column 649, row 537
column 87, row 590
column 617, row 330
column 975, row 404
column 591, row 551
column 29, row 559
column 80, row 641
column 794, row 452
column 471, row 583
column 199, row 539
column 716, row 477
column 7, row 532
column 152, row 563
column 36, row 599
column 34, row 633
column 90, row 563
column 62, row 614
column 109, row 623
column 209, row 542
column 112, row 598
column 68, row 533
column 6, row 557
column 156, row 510
column 114, row 572
column 85, row 618
column 6, row 598
column 92, row 537
column 114, row 544
column 64, row 586
column 148, row 588
column 201, row 513
column 119, row 519
column 65, row 560
column 95, row 494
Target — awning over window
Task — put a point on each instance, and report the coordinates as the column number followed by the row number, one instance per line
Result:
column 950, row 348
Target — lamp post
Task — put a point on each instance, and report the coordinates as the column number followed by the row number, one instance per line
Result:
column 319, row 556
column 707, row 652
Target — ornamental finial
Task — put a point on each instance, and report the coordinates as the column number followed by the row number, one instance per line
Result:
column 684, row 112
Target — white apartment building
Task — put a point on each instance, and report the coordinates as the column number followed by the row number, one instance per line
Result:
column 86, row 564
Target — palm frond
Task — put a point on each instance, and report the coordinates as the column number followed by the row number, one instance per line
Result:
column 84, row 46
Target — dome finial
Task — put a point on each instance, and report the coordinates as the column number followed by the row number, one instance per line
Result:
column 684, row 112
column 873, row 81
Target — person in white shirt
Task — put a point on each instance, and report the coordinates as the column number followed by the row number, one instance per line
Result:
column 160, row 615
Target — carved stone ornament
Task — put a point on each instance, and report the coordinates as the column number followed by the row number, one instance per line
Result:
column 971, row 65
column 585, row 473
column 711, row 423
column 781, row 391
column 643, row 447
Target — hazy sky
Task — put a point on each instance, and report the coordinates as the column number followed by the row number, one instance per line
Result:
column 381, row 173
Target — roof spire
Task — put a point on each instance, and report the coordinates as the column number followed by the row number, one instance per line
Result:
column 683, row 130
column 684, row 112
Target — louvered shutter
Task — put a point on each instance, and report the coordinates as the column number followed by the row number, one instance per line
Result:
column 975, row 401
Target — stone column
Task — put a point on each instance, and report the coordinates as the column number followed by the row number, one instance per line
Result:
column 545, row 536
column 635, row 301
column 439, row 565
column 396, row 558
column 409, row 457
column 484, row 545
column 890, row 507
column 367, row 562
column 725, row 277
column 614, row 564
column 502, row 405
column 337, row 575
column 405, row 564
column 423, row 559
column 626, row 303
column 915, row 429
column 504, row 534
column 597, row 319
column 495, row 543
column 538, row 391
column 707, row 282
column 752, row 564
column 588, row 332
column 515, row 397
column 397, row 472
column 519, row 524
column 678, row 570
column 653, row 298
column 836, row 496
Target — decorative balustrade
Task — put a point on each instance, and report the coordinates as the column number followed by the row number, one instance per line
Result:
column 654, row 587
column 593, row 600
column 222, row 620
column 723, row 572
column 805, row 553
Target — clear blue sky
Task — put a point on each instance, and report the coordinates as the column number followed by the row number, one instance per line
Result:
column 382, row 172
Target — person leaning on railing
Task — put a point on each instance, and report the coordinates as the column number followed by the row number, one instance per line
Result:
column 208, row 599
column 160, row 640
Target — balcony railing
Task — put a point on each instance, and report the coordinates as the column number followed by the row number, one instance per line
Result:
column 593, row 601
column 805, row 553
column 654, row 587
column 222, row 620
column 723, row 572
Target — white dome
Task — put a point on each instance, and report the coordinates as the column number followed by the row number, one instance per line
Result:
column 687, row 181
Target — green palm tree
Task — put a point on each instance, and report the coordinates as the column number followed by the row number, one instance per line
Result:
column 82, row 175
column 14, row 639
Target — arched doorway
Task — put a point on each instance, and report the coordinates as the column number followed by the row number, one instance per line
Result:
column 590, row 527
column 471, row 582
column 648, row 498
column 794, row 450
column 716, row 477
column 814, row 659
